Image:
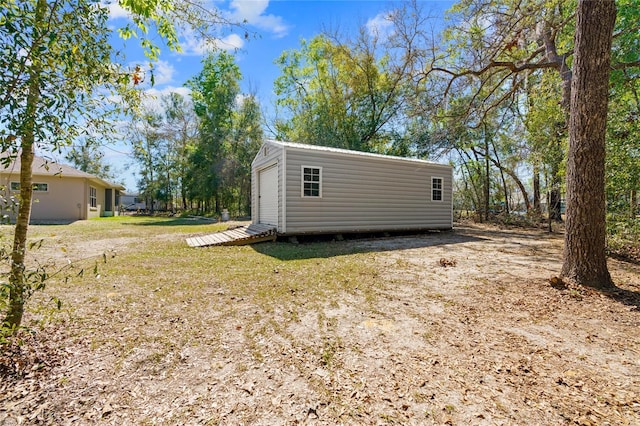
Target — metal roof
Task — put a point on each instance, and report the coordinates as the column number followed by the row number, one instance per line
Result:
column 348, row 152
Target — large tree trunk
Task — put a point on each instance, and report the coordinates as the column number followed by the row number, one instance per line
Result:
column 18, row 287
column 585, row 260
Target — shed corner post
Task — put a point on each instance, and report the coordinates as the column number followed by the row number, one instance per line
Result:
column 282, row 175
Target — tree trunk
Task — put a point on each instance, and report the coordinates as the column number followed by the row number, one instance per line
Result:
column 516, row 180
column 496, row 161
column 633, row 200
column 17, row 285
column 555, row 201
column 487, row 170
column 585, row 260
column 536, row 191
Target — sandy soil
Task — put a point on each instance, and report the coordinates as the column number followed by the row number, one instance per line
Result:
column 463, row 328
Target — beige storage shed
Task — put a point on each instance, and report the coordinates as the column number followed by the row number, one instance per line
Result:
column 307, row 189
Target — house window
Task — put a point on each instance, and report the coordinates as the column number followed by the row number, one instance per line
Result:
column 37, row 187
column 311, row 181
column 436, row 189
column 93, row 197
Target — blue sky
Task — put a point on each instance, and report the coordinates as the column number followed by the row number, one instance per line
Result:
column 278, row 25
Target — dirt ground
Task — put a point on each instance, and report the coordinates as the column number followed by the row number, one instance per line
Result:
column 456, row 328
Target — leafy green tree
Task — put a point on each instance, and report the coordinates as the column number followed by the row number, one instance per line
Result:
column 162, row 137
column 86, row 156
column 56, row 56
column 181, row 131
column 623, row 152
column 623, row 157
column 148, row 151
column 245, row 141
column 545, row 121
column 489, row 53
column 57, row 65
column 339, row 94
column 214, row 93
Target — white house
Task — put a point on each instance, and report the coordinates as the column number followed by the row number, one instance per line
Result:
column 308, row 189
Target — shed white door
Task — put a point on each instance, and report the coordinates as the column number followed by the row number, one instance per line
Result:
column 268, row 196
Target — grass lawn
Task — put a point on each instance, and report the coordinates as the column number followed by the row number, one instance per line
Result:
column 351, row 332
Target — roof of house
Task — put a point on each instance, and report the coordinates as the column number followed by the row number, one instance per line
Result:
column 44, row 167
column 348, row 152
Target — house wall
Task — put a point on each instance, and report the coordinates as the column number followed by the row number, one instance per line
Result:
column 62, row 201
column 66, row 199
column 365, row 193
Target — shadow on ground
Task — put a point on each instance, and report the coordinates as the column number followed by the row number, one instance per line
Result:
column 625, row 296
column 178, row 221
column 324, row 246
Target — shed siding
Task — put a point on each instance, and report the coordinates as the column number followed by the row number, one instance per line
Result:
column 365, row 193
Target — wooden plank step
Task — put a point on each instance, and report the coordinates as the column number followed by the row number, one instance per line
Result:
column 237, row 236
column 253, row 240
column 253, row 231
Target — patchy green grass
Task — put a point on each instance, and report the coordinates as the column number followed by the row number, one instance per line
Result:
column 126, row 226
column 352, row 332
column 153, row 289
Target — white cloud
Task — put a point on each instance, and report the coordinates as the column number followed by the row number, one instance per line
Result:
column 232, row 41
column 240, row 98
column 151, row 97
column 115, row 11
column 163, row 72
column 181, row 90
column 380, row 26
column 192, row 45
column 252, row 12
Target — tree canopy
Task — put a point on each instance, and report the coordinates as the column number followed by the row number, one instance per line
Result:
column 58, row 70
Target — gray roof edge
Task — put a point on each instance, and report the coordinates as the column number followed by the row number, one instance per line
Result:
column 302, row 146
column 44, row 167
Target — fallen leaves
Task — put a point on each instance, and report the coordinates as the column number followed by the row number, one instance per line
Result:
column 444, row 262
column 485, row 343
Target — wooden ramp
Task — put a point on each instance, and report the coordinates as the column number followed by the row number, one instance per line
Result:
column 242, row 235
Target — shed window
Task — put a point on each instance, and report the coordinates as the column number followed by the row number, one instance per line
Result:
column 311, row 181
column 37, row 187
column 436, row 189
column 93, row 197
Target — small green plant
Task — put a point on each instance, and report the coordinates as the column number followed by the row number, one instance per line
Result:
column 329, row 350
column 15, row 293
